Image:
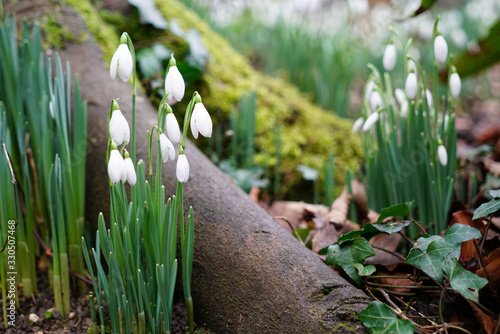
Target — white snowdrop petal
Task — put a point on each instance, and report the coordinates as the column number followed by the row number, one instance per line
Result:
column 203, row 120
column 455, row 84
column 400, row 96
column 389, row 59
column 430, row 99
column 404, row 109
column 411, row 85
column 125, row 63
column 130, row 171
column 172, row 128
column 369, row 90
column 174, row 84
column 113, row 66
column 376, row 100
column 115, row 167
column 442, row 155
column 440, row 49
column 166, row 148
column 182, row 170
column 357, row 125
column 118, row 128
column 370, row 121
column 193, row 125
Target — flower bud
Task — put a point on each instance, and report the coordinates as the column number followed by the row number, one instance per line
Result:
column 440, row 49
column 123, row 62
column 390, row 55
column 376, row 100
column 370, row 121
column 129, row 170
column 174, row 83
column 172, row 128
column 182, row 170
column 442, row 155
column 115, row 166
column 118, row 128
column 411, row 85
column 455, row 84
column 357, row 125
column 201, row 121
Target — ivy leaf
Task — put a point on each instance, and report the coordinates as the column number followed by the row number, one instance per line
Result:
column 397, row 210
column 487, row 208
column 365, row 271
column 494, row 193
column 391, row 227
column 430, row 253
column 380, row 318
column 368, row 232
column 463, row 281
column 347, row 254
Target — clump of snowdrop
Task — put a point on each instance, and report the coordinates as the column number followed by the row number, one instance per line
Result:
column 122, row 61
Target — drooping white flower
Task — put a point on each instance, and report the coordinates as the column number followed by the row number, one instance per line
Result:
column 370, row 121
column 412, row 67
column 129, row 171
column 115, row 167
column 121, row 61
column 411, row 85
column 376, row 100
column 440, row 49
column 357, row 125
column 442, row 155
column 430, row 99
column 389, row 59
column 182, row 170
column 201, row 121
column 172, row 128
column 369, row 89
column 174, row 85
column 118, row 128
column 167, row 148
column 400, row 96
column 455, row 84
column 404, row 109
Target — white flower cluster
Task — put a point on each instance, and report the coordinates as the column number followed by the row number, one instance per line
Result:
column 120, row 169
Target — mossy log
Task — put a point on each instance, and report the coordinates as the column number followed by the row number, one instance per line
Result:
column 249, row 274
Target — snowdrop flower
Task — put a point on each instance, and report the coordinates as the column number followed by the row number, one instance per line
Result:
column 389, row 59
column 174, row 83
column 51, row 109
column 115, row 166
column 129, row 170
column 122, row 61
column 182, row 170
column 369, row 89
column 118, row 127
column 357, row 125
column 400, row 96
column 442, row 155
column 411, row 85
column 376, row 100
column 455, row 84
column 370, row 121
column 200, row 119
column 404, row 109
column 412, row 67
column 167, row 148
column 172, row 126
column 440, row 49
column 430, row 99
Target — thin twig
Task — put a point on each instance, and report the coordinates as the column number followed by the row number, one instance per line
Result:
column 291, row 227
column 406, row 238
column 485, row 234
column 390, row 252
column 441, row 309
column 418, row 224
column 423, row 287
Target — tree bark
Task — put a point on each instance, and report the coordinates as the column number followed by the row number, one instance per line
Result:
column 249, row 274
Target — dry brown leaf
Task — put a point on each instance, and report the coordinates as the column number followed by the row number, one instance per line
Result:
column 396, row 281
column 294, row 213
column 489, row 323
column 493, row 268
column 492, row 166
column 383, row 242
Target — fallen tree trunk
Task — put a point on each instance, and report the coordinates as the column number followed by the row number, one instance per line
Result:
column 249, row 274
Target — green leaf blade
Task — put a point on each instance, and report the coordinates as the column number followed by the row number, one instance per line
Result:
column 380, row 318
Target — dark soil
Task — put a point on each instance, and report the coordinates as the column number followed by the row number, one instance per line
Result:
column 78, row 321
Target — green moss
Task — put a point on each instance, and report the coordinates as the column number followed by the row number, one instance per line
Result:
column 346, row 326
column 56, row 34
